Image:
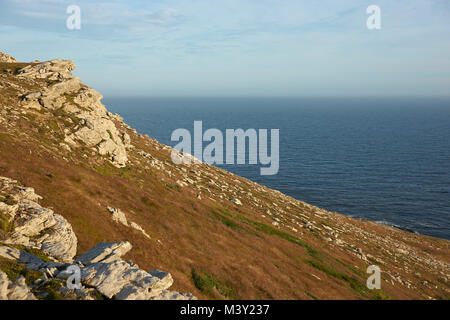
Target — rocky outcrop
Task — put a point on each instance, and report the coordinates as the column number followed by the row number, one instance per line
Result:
column 102, row 269
column 7, row 58
column 123, row 280
column 34, row 226
column 51, row 70
column 95, row 127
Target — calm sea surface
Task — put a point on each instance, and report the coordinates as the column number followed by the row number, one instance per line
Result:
column 383, row 159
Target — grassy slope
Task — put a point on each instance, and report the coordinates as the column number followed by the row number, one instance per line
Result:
column 213, row 249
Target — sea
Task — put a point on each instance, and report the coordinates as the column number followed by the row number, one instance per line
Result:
column 382, row 159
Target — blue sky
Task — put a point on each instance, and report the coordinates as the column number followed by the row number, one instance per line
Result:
column 239, row 47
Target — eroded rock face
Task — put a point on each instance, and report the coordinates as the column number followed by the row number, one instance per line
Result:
column 34, row 226
column 95, row 128
column 7, row 58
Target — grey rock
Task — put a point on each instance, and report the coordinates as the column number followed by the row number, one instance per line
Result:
column 173, row 295
column 105, row 252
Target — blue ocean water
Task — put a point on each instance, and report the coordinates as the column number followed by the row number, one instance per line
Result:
column 382, row 159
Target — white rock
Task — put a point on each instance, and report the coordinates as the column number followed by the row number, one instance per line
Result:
column 118, row 216
column 237, row 201
column 139, row 228
column 105, row 252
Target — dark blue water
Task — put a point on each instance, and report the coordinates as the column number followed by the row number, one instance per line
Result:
column 383, row 159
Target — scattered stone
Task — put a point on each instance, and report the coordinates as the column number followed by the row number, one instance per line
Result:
column 236, row 201
column 139, row 228
column 118, row 216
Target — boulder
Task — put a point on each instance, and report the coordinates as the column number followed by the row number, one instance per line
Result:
column 124, row 281
column 118, row 216
column 236, row 201
column 134, row 225
column 105, row 252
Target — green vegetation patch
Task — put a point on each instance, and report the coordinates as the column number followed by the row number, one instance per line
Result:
column 149, row 203
column 107, row 169
column 226, row 221
column 53, row 124
column 110, row 134
column 30, row 116
column 14, row 269
column 264, row 228
column 207, row 283
column 51, row 288
column 37, row 253
column 63, row 115
column 5, row 224
column 358, row 287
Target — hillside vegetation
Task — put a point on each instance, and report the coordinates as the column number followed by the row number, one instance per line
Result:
column 113, row 184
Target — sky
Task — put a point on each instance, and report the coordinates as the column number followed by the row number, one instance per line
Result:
column 239, row 47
